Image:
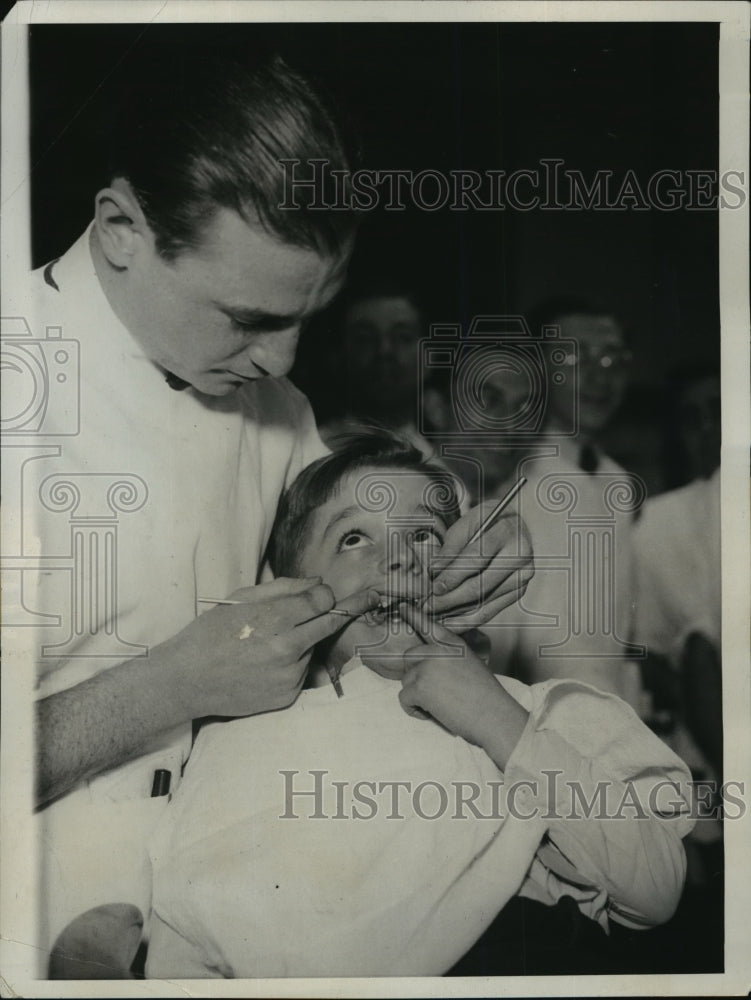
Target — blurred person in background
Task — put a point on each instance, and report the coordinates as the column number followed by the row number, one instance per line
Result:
column 691, row 448
column 677, row 616
column 678, row 592
column 485, row 466
column 575, row 620
column 381, row 326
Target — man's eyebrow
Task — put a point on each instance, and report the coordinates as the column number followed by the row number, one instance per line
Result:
column 259, row 318
column 341, row 516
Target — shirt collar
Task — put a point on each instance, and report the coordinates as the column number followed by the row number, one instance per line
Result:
column 75, row 271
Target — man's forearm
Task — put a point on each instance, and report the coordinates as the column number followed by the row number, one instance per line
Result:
column 104, row 722
column 113, row 717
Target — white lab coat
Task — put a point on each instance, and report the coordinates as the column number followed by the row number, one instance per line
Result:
column 132, row 501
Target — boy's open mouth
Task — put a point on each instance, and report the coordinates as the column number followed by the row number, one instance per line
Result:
column 388, row 609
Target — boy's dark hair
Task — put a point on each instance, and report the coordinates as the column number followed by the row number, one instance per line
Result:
column 316, row 484
column 198, row 130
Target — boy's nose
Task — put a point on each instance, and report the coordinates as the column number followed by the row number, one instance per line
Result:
column 402, row 556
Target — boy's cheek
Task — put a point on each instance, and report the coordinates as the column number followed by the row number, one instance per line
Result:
column 392, row 669
column 344, row 583
column 377, row 646
column 381, row 650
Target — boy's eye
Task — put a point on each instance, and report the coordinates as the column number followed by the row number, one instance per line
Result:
column 353, row 540
column 427, row 536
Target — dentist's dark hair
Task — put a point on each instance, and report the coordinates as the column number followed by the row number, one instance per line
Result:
column 198, row 129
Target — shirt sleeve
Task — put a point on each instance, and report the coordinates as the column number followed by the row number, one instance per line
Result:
column 615, row 800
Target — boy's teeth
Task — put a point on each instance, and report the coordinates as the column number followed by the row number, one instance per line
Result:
column 388, row 608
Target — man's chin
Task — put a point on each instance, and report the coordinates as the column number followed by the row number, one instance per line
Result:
column 215, row 388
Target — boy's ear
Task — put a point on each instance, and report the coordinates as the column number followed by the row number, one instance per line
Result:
column 120, row 224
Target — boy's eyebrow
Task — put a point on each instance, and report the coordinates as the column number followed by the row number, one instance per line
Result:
column 347, row 512
column 354, row 510
column 432, row 514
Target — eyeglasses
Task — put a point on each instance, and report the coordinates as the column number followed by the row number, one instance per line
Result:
column 609, row 360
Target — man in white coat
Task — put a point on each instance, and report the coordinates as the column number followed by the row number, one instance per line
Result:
column 154, row 485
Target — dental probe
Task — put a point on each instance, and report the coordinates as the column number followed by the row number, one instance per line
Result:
column 498, row 510
column 333, row 611
column 216, row 600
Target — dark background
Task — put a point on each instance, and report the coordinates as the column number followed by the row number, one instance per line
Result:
column 444, row 96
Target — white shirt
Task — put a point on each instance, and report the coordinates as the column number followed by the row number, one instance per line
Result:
column 678, row 588
column 575, row 618
column 242, row 890
column 182, row 487
column 677, row 559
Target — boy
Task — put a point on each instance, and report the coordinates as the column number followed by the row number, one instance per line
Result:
column 360, row 835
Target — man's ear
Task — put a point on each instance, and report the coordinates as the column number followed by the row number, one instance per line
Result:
column 120, row 224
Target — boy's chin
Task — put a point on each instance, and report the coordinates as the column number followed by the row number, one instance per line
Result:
column 384, row 662
column 381, row 649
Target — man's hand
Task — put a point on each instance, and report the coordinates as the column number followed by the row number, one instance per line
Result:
column 252, row 657
column 233, row 660
column 474, row 583
column 444, row 679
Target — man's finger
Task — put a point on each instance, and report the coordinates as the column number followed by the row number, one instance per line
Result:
column 429, row 630
column 406, row 700
column 296, row 609
column 457, row 541
column 478, row 586
column 478, row 616
column 458, row 536
column 359, row 602
column 313, row 630
column 282, row 586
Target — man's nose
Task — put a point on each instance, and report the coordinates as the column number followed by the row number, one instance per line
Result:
column 274, row 353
